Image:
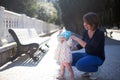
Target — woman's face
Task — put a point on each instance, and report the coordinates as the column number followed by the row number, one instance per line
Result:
column 87, row 26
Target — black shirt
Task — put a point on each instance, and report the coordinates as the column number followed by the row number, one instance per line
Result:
column 95, row 45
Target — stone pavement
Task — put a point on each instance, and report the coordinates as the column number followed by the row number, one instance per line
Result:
column 47, row 68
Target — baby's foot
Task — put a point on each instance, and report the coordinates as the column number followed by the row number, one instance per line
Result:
column 72, row 79
column 60, row 78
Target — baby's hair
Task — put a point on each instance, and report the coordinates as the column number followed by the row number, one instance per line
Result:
column 66, row 34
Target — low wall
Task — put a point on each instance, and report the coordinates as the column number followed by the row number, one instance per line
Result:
column 9, row 20
column 7, row 52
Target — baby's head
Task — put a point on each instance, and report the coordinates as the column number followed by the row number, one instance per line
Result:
column 65, row 35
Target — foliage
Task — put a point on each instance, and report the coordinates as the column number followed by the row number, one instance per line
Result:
column 73, row 11
column 59, row 13
column 47, row 12
column 28, row 7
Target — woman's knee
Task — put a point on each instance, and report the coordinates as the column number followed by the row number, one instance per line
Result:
column 80, row 66
column 76, row 57
column 85, row 68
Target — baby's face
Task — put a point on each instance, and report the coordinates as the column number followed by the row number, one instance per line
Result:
column 62, row 39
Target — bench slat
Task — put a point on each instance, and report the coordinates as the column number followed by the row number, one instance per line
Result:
column 27, row 39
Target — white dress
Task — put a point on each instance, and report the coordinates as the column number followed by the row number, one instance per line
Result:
column 63, row 52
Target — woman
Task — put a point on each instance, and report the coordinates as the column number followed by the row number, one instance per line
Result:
column 93, row 42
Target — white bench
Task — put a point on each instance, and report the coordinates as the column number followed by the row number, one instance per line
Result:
column 28, row 41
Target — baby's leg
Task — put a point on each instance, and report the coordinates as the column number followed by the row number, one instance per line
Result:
column 69, row 67
column 62, row 72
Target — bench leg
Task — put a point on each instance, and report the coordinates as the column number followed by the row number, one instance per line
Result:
column 47, row 45
column 32, row 49
column 42, row 50
column 17, row 54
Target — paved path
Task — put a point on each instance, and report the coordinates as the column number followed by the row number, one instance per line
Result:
column 47, row 68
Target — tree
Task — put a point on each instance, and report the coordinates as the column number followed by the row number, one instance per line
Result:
column 28, row 7
column 73, row 11
column 31, row 8
column 59, row 13
column 47, row 12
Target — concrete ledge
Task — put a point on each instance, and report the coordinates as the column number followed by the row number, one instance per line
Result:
column 7, row 52
column 7, row 47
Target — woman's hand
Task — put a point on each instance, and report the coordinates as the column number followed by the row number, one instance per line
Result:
column 74, row 38
column 80, row 41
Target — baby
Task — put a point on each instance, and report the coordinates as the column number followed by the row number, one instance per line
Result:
column 65, row 56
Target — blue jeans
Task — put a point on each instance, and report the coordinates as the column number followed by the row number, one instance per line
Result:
column 85, row 62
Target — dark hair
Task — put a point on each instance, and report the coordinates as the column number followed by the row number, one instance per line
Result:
column 91, row 18
column 60, row 27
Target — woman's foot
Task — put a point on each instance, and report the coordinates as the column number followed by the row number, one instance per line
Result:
column 94, row 75
column 86, row 74
column 91, row 75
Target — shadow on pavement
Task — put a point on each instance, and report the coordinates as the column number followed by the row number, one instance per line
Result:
column 23, row 60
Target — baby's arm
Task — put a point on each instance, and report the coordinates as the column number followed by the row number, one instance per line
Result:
column 70, row 42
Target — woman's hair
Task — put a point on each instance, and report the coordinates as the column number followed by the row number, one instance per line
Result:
column 91, row 18
column 60, row 27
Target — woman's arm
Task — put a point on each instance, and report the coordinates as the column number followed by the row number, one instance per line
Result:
column 80, row 41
